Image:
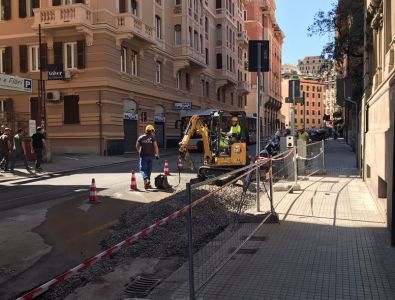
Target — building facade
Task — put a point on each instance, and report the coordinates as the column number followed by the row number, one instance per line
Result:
column 260, row 23
column 311, row 65
column 378, row 113
column 125, row 64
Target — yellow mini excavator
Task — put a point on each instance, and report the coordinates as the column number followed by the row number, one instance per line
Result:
column 224, row 142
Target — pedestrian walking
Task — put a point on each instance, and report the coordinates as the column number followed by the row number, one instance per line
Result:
column 19, row 150
column 2, row 129
column 5, row 149
column 147, row 148
column 303, row 135
column 37, row 146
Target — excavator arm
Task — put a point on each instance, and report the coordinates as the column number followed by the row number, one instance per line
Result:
column 195, row 124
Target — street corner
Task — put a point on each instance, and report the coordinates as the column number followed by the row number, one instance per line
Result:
column 18, row 255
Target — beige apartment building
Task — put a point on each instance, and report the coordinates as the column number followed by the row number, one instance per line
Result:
column 126, row 63
column 311, row 65
column 378, row 113
column 260, row 23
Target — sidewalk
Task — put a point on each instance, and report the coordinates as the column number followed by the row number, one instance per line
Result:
column 331, row 243
column 64, row 163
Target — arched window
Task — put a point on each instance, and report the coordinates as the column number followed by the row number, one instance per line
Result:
column 177, row 34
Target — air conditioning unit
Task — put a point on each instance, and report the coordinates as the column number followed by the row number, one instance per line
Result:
column 53, row 96
column 67, row 74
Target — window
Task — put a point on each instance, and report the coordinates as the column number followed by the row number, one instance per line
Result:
column 207, row 89
column 319, row 95
column 307, row 112
column 70, row 51
column 178, row 2
column 319, row 121
column 201, row 44
column 134, row 63
column 190, row 37
column 158, row 27
column 313, row 95
column 196, row 40
column 202, row 87
column 26, row 7
column 301, row 111
column 207, row 57
column 308, row 88
column 34, row 58
column 206, row 25
column 5, row 10
column 301, row 87
column 178, row 80
column 313, row 88
column 188, row 81
column 307, row 95
column 2, row 59
column 177, row 34
column 218, row 4
column 307, row 121
column 313, row 112
column 313, row 103
column 313, row 121
column 231, row 99
column 158, row 72
column 319, row 104
column 71, row 110
column 301, row 121
column 124, row 55
column 319, row 113
column 218, row 34
column 219, row 61
column 133, row 4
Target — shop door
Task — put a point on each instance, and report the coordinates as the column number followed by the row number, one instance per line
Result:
column 130, row 131
column 160, row 133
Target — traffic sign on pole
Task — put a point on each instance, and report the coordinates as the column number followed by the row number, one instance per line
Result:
column 255, row 47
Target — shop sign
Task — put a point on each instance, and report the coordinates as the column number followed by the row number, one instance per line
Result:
column 15, row 83
column 55, row 72
column 182, row 105
column 159, row 118
column 130, row 116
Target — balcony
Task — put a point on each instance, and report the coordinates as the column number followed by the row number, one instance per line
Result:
column 243, row 87
column 226, row 77
column 131, row 24
column 74, row 15
column 242, row 37
column 187, row 55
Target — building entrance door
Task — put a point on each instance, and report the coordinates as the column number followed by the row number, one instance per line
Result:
column 130, row 131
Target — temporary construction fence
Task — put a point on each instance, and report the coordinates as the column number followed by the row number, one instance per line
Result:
column 219, row 221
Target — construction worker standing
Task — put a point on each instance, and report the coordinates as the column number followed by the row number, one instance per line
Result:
column 147, row 148
column 303, row 135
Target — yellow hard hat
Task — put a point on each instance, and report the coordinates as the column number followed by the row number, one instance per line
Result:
column 300, row 127
column 149, row 128
column 235, row 119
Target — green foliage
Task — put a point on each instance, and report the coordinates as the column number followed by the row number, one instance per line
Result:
column 344, row 22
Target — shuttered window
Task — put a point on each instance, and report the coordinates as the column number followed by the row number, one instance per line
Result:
column 7, row 62
column 81, row 54
column 5, row 10
column 2, row 57
column 71, row 110
column 23, row 58
column 122, row 6
column 58, row 53
column 44, row 56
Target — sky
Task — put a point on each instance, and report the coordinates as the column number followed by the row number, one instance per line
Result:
column 293, row 17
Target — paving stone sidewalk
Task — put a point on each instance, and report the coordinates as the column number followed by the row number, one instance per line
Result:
column 332, row 243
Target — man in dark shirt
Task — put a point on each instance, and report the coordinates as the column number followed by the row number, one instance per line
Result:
column 5, row 148
column 37, row 147
column 19, row 150
column 147, row 148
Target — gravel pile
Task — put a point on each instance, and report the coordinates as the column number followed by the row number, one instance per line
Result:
column 209, row 219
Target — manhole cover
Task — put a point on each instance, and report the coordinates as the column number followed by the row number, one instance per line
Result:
column 140, row 287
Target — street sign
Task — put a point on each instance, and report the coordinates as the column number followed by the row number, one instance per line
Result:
column 15, row 83
column 253, row 46
column 293, row 89
column 182, row 105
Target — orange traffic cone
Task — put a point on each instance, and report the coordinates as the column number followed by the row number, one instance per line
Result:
column 93, row 199
column 166, row 168
column 179, row 165
column 133, row 184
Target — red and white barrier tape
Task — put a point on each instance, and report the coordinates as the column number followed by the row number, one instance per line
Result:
column 48, row 285
column 309, row 158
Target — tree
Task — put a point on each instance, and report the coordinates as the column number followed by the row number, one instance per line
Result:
column 344, row 21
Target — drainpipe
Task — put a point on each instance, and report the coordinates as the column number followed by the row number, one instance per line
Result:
column 100, row 104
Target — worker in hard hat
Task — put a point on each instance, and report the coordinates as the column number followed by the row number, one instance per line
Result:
column 233, row 135
column 303, row 135
column 147, row 147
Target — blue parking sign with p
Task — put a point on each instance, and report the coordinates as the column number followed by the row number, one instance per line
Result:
column 27, row 84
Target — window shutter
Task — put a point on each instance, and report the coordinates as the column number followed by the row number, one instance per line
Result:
column 71, row 110
column 35, row 3
column 8, row 60
column 56, row 2
column 81, row 54
column 22, row 8
column 7, row 9
column 23, row 58
column 122, row 6
column 80, row 1
column 44, row 56
column 8, row 105
column 134, row 4
column 58, row 53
